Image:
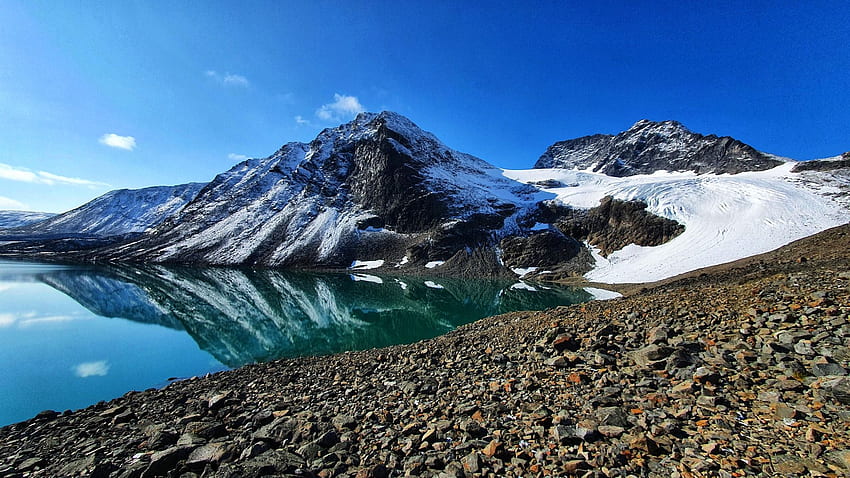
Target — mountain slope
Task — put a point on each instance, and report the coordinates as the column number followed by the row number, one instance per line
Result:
column 650, row 146
column 725, row 217
column 9, row 219
column 378, row 183
column 115, row 213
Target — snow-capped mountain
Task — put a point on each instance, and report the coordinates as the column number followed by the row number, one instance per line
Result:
column 115, row 213
column 377, row 188
column 10, row 219
column 380, row 193
column 725, row 217
column 650, row 146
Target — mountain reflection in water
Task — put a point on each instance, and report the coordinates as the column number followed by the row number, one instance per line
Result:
column 243, row 316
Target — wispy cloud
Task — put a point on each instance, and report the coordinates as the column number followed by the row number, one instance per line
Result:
column 50, row 319
column 237, row 157
column 116, row 141
column 301, row 121
column 9, row 203
column 91, row 369
column 228, row 79
column 342, row 108
column 7, row 320
column 24, row 175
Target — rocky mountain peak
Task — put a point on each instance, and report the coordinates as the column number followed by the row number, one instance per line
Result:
column 650, row 146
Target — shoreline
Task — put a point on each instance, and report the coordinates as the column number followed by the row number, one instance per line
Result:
column 737, row 370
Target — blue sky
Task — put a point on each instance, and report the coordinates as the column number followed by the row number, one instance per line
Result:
column 98, row 95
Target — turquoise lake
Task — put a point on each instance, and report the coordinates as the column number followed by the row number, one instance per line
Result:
column 71, row 336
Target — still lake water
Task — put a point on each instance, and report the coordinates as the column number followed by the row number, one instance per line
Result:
column 71, row 336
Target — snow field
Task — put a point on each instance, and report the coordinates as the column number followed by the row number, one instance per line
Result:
column 726, row 217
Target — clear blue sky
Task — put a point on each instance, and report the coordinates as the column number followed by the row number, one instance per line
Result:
column 187, row 88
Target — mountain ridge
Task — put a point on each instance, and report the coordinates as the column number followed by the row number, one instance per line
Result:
column 380, row 192
column 650, row 146
column 118, row 212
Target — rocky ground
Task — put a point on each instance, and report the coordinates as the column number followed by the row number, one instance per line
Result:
column 735, row 372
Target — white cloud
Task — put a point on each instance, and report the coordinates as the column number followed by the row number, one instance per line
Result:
column 24, row 175
column 9, row 203
column 115, row 141
column 90, row 369
column 343, row 107
column 299, row 120
column 237, row 157
column 235, row 80
column 50, row 319
column 7, row 320
column 228, row 79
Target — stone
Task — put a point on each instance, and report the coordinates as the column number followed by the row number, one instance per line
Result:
column 165, row 460
column 611, row 431
column 492, row 448
column 840, row 459
column 342, row 422
column 31, row 464
column 211, row 453
column 586, row 430
column 558, row 361
column 838, row 389
column 217, row 401
column 472, row 462
column 328, row 439
column 205, row 429
column 804, row 347
column 614, row 416
column 123, row 417
column 254, row 450
column 825, row 369
column 650, row 354
column 565, row 342
column 658, row 335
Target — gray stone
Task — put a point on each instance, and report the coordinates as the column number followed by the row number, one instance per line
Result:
column 472, row 462
column 210, row 453
column 614, row 416
column 163, row 461
column 650, row 354
column 828, row 369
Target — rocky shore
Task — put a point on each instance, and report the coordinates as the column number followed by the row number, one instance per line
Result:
column 741, row 371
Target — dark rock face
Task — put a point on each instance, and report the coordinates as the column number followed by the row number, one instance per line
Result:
column 650, row 146
column 821, row 165
column 543, row 249
column 615, row 224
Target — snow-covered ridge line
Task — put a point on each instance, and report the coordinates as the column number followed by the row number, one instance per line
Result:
column 726, row 217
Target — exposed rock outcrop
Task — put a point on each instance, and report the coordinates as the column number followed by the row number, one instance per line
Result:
column 615, row 224
column 650, row 146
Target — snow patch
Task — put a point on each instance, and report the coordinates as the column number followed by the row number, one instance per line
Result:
column 523, row 271
column 434, row 264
